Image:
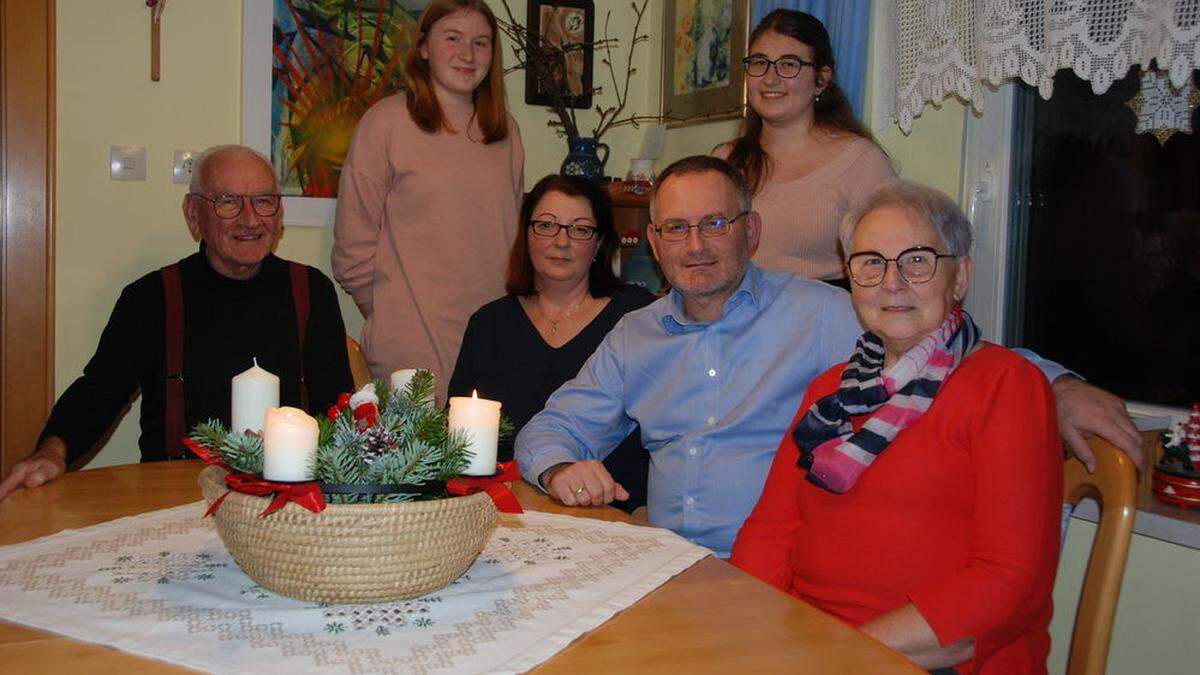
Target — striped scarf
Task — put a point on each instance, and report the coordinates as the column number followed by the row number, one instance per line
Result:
column 831, row 451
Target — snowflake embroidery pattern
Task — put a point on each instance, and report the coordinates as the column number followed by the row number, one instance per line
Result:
column 163, row 567
column 384, row 618
column 520, row 550
column 257, row 592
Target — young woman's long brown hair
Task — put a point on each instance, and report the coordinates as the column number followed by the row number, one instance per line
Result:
column 831, row 111
column 490, row 107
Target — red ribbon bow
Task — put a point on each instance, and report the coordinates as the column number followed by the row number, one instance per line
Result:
column 307, row 495
column 495, row 486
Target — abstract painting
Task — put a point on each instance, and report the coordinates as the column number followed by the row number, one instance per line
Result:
column 312, row 68
column 703, row 45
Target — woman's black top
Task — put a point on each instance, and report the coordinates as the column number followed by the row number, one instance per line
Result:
column 504, row 357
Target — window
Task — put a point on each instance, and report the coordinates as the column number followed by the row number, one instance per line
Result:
column 1104, row 237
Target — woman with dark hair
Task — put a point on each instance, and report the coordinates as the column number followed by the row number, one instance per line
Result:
column 808, row 159
column 429, row 194
column 563, row 298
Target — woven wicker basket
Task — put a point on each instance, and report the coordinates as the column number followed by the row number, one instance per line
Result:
column 351, row 553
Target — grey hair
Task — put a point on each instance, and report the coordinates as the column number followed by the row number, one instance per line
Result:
column 704, row 164
column 932, row 206
column 201, row 163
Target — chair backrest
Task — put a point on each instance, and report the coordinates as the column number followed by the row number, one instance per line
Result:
column 1114, row 487
column 358, row 363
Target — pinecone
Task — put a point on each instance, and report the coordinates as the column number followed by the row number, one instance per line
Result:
column 377, row 442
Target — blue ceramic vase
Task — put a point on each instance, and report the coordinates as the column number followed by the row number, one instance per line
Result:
column 584, row 160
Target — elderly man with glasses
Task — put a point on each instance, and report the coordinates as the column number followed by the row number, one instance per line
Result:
column 714, row 371
column 180, row 334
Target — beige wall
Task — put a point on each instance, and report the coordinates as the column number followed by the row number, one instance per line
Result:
column 1157, row 628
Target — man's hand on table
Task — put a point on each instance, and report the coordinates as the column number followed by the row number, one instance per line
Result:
column 1086, row 410
column 584, row 483
column 47, row 463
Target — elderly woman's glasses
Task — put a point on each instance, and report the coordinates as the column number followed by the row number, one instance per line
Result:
column 580, row 229
column 786, row 67
column 916, row 265
column 709, row 226
column 230, row 206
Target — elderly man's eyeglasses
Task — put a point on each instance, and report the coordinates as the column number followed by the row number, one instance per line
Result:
column 786, row 67
column 230, row 206
column 709, row 226
column 916, row 265
column 580, row 229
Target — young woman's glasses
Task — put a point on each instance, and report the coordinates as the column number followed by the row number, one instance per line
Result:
column 786, row 67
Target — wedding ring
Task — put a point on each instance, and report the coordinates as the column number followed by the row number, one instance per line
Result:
column 579, row 490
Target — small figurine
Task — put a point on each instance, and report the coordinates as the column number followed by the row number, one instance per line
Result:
column 1176, row 453
column 1193, row 433
column 1177, row 474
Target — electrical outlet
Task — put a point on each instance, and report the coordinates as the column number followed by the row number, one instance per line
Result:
column 126, row 162
column 181, row 168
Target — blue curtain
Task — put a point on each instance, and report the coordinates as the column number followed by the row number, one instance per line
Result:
column 849, row 25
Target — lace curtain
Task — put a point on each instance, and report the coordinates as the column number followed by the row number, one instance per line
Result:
column 944, row 47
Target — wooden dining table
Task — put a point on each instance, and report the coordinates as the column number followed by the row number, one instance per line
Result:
column 712, row 617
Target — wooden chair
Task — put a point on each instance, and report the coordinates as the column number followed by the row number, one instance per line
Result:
column 358, row 363
column 1114, row 487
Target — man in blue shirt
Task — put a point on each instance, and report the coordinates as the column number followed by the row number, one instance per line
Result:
column 714, row 371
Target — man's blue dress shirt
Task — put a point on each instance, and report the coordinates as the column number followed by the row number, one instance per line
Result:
column 713, row 399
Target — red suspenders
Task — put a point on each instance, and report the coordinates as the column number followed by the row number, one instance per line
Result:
column 300, row 299
column 174, row 415
column 173, row 323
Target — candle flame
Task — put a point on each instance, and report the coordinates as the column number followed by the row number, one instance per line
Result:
column 474, row 393
column 255, row 359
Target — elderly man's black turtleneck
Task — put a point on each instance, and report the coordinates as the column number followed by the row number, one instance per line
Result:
column 227, row 322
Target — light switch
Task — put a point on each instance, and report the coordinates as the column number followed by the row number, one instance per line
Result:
column 181, row 168
column 126, row 162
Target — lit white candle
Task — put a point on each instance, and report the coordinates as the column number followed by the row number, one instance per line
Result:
column 255, row 391
column 479, row 418
column 289, row 445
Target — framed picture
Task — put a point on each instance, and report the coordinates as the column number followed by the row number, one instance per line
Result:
column 704, row 42
column 564, row 23
column 310, row 69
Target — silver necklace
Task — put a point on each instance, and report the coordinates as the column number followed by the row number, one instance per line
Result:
column 554, row 322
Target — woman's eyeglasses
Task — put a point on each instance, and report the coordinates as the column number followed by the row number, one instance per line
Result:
column 580, row 229
column 916, row 265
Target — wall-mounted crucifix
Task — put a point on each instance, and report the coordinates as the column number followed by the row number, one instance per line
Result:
column 156, row 10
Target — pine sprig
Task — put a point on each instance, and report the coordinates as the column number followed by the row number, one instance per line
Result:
column 210, row 434
column 243, row 452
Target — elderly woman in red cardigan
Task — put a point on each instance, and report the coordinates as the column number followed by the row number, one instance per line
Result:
column 918, row 493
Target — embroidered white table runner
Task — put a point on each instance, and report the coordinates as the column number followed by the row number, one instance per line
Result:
column 162, row 585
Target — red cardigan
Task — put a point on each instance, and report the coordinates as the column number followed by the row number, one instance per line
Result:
column 960, row 515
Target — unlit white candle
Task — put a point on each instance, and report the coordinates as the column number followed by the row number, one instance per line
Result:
column 255, row 391
column 289, row 445
column 401, row 378
column 479, row 419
